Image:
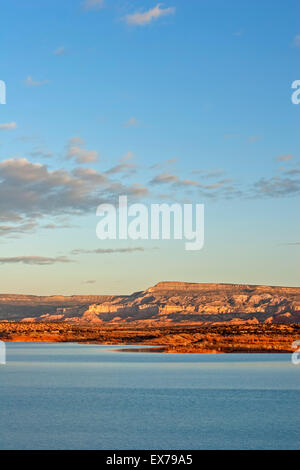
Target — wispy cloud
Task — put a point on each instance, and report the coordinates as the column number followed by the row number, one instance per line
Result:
column 132, row 122
column 105, row 251
column 164, row 178
column 209, row 173
column 225, row 188
column 34, row 260
column 143, row 18
column 231, row 136
column 92, row 4
column 76, row 151
column 188, row 182
column 284, row 158
column 164, row 164
column 125, row 165
column 30, row 82
column 292, row 171
column 30, row 191
column 297, row 40
column 61, row 50
column 290, row 244
column 32, row 194
column 56, row 226
column 122, row 168
column 39, row 152
column 128, row 156
column 277, row 187
column 14, row 231
column 138, row 190
column 28, row 138
column 254, row 138
column 214, row 173
column 8, row 126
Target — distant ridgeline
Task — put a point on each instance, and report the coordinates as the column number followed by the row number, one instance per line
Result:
column 166, row 302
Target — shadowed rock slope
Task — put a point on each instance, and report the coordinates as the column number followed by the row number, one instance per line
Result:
column 167, row 302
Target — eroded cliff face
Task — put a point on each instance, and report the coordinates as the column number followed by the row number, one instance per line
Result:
column 184, row 302
column 31, row 307
column 167, row 302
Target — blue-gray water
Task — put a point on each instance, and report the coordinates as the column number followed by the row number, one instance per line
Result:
column 70, row 396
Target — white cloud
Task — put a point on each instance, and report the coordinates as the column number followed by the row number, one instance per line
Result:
column 80, row 154
column 128, row 168
column 140, row 19
column 13, row 230
column 76, row 141
column 238, row 33
column 132, row 122
column 30, row 191
column 164, row 164
column 277, row 187
column 126, row 165
column 35, row 260
column 93, row 4
column 39, row 152
column 231, row 136
column 254, row 138
column 8, row 126
column 297, row 40
column 128, row 156
column 61, row 50
column 30, row 82
column 284, row 158
column 164, row 178
column 104, row 251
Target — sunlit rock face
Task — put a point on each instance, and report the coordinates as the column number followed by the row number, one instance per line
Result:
column 166, row 302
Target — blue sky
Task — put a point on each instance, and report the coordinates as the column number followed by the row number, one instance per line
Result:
column 194, row 96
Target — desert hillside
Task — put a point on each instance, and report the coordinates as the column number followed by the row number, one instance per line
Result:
column 166, row 302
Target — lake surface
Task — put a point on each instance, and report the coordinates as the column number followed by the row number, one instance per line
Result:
column 68, row 396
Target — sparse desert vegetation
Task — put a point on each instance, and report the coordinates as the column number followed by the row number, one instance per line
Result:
column 177, row 338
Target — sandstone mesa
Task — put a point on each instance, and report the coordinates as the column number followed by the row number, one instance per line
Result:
column 165, row 303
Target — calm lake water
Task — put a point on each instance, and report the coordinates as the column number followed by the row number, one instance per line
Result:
column 69, row 396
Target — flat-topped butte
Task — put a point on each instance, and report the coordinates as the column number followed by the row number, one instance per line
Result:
column 164, row 303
